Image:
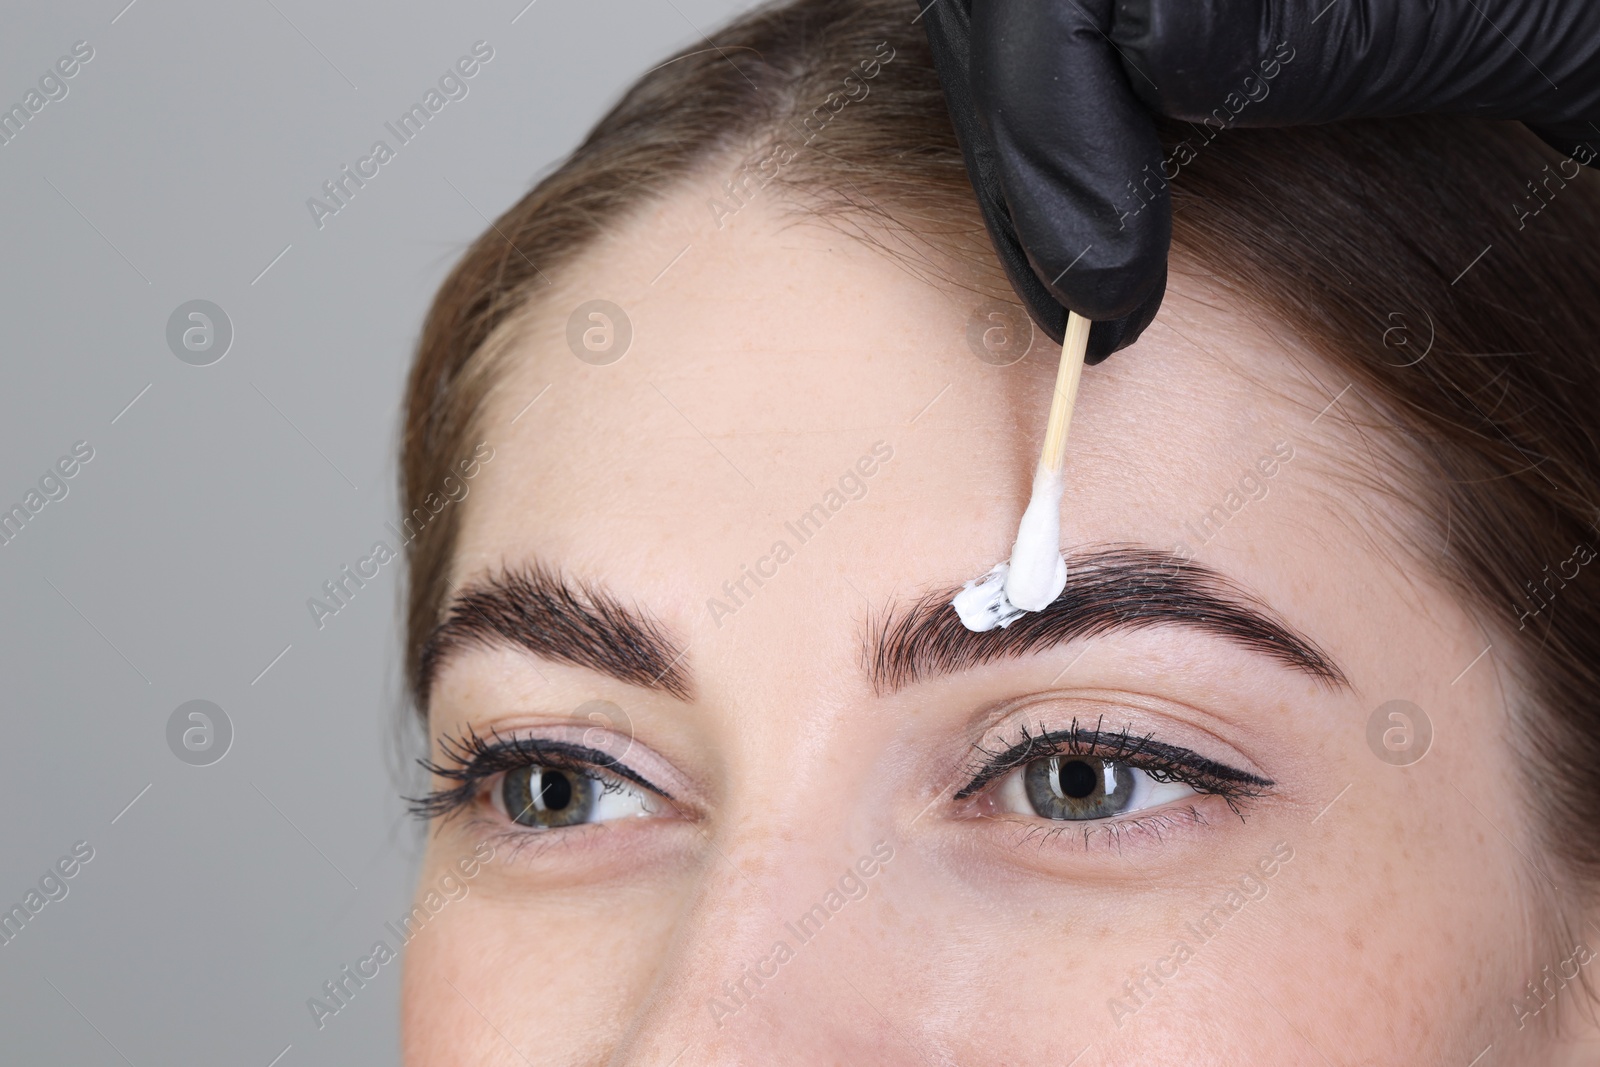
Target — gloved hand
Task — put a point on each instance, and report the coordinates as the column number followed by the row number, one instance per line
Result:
column 1052, row 102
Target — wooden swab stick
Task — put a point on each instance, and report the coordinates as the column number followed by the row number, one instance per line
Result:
column 1066, row 395
column 1037, row 572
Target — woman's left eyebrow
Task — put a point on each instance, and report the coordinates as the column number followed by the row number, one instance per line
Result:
column 1118, row 588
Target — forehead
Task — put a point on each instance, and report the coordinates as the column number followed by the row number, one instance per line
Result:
column 774, row 367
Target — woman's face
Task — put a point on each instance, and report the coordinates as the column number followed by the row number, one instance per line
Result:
column 820, row 834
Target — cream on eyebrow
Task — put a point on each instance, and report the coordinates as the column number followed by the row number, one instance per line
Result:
column 1035, row 574
column 1113, row 588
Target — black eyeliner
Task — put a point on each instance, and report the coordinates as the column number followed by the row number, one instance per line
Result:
column 1169, row 762
column 474, row 759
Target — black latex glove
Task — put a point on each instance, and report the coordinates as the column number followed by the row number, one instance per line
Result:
column 1052, row 102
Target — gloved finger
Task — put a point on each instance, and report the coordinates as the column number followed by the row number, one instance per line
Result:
column 1071, row 143
column 1089, row 242
column 1289, row 62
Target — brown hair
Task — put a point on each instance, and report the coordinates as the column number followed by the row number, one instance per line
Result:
column 1408, row 253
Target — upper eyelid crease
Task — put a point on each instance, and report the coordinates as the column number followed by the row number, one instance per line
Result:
column 1120, row 744
column 1121, row 587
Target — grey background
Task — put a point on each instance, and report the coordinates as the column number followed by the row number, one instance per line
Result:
column 179, row 564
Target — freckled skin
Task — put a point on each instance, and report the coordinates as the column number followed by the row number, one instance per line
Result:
column 1401, row 930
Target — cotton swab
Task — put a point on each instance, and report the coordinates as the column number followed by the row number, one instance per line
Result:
column 1036, row 573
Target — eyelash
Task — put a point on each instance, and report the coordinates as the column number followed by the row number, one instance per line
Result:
column 473, row 760
column 1163, row 762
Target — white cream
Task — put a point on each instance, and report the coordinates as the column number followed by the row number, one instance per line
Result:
column 982, row 602
column 1033, row 577
column 1038, row 573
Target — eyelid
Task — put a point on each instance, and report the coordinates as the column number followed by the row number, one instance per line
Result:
column 1138, row 750
column 473, row 760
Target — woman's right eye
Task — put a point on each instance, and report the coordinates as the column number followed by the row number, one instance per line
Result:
column 547, row 798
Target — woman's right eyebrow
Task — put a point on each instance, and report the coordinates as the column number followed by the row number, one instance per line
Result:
column 535, row 609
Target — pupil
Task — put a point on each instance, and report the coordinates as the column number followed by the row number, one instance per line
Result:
column 555, row 790
column 1078, row 779
column 1078, row 787
column 548, row 798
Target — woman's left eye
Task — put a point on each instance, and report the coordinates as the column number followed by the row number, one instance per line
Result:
column 1069, row 787
column 549, row 798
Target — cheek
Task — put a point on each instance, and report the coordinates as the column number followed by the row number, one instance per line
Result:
column 1410, row 893
column 490, row 966
column 559, row 972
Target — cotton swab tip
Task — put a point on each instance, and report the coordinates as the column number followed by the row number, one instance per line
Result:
column 1035, row 574
column 1033, row 577
column 1038, row 573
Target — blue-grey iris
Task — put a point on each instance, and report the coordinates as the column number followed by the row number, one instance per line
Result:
column 1078, row 787
column 549, row 796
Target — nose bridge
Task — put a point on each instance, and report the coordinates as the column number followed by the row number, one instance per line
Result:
column 752, row 974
